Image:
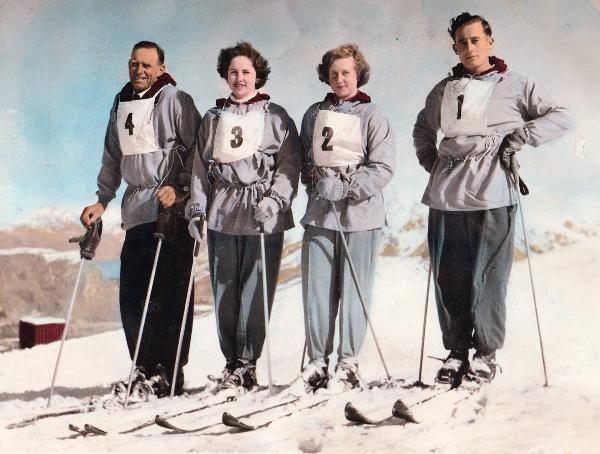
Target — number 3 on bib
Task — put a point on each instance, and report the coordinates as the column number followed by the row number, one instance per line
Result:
column 328, row 134
column 237, row 140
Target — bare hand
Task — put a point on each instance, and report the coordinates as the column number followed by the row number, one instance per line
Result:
column 166, row 196
column 91, row 214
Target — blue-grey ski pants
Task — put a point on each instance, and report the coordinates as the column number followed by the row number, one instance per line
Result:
column 471, row 254
column 235, row 273
column 328, row 288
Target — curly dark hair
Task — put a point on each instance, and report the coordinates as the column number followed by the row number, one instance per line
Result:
column 243, row 48
column 467, row 18
column 345, row 50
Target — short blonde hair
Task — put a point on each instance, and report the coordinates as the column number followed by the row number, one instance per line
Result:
column 343, row 51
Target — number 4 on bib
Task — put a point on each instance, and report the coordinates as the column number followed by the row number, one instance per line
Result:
column 129, row 123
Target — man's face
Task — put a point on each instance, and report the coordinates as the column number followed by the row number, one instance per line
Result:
column 144, row 68
column 343, row 79
column 473, row 47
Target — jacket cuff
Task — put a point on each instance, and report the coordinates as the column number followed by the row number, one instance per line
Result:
column 104, row 200
column 281, row 202
column 194, row 211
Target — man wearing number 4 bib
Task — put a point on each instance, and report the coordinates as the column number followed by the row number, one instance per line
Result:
column 348, row 153
column 151, row 129
column 486, row 114
column 246, row 171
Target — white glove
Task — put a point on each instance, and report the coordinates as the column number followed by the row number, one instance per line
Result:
column 266, row 209
column 195, row 227
column 332, row 188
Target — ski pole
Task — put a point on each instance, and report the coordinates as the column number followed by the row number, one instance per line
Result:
column 184, row 320
column 143, row 321
column 64, row 333
column 514, row 168
column 87, row 243
column 265, row 302
column 358, row 288
column 303, row 356
column 420, row 381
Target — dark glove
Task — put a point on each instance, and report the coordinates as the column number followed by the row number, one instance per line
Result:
column 89, row 241
column 332, row 188
column 512, row 143
column 266, row 209
column 195, row 226
column 165, row 223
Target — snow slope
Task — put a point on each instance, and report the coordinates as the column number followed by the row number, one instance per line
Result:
column 515, row 414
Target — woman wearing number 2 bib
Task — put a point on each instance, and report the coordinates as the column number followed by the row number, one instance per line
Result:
column 348, row 154
column 246, row 169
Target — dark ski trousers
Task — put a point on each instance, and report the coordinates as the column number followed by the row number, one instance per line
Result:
column 236, row 278
column 167, row 300
column 471, row 254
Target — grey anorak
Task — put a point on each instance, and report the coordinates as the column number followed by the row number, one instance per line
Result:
column 466, row 172
column 226, row 193
column 363, row 208
column 175, row 121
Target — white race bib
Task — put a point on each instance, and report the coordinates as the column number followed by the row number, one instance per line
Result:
column 337, row 139
column 135, row 126
column 238, row 136
column 464, row 107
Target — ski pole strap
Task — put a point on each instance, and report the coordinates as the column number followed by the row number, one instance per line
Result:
column 523, row 189
column 514, row 170
column 164, row 222
column 89, row 241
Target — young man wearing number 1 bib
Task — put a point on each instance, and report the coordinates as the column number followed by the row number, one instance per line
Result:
column 348, row 153
column 246, row 171
column 150, row 132
column 486, row 113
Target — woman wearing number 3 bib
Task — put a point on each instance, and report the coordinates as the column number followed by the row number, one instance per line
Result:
column 246, row 169
column 348, row 154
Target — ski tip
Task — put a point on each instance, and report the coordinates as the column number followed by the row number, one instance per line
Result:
column 400, row 410
column 76, row 429
column 94, row 430
column 231, row 421
column 162, row 422
column 355, row 416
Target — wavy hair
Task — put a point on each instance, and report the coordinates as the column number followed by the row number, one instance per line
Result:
column 245, row 49
column 345, row 50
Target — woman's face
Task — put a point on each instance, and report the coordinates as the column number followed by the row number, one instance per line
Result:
column 343, row 79
column 241, row 76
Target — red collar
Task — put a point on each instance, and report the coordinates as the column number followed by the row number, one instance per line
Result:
column 358, row 97
column 228, row 101
column 497, row 65
column 127, row 92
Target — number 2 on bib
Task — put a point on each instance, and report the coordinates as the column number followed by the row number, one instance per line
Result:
column 237, row 140
column 328, row 134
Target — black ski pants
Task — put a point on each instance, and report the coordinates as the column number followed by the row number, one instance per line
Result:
column 471, row 254
column 167, row 300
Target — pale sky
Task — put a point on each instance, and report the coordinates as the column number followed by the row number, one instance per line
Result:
column 64, row 61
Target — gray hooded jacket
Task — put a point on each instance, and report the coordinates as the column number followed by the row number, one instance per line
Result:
column 363, row 208
column 175, row 122
column 226, row 193
column 466, row 172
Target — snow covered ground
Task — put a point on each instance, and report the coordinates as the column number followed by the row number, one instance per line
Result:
column 515, row 414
